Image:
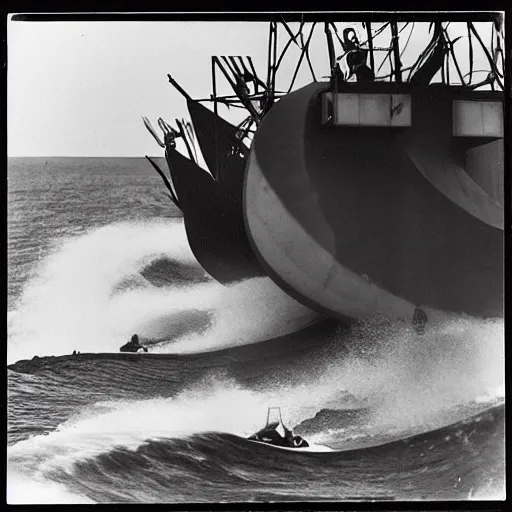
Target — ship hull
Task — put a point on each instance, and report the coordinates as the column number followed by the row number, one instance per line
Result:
column 357, row 221
column 215, row 230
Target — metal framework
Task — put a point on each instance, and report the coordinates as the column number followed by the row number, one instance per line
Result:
column 242, row 76
column 234, row 68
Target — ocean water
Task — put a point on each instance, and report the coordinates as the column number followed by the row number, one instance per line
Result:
column 97, row 251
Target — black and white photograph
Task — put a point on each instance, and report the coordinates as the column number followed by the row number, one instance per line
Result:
column 256, row 258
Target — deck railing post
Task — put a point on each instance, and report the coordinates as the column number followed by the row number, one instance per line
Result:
column 370, row 44
column 214, row 86
column 396, row 51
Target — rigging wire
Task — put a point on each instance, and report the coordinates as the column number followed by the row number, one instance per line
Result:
column 450, row 44
column 408, row 39
column 270, row 36
column 404, row 27
column 166, row 180
column 443, row 72
column 494, row 71
column 476, row 71
column 274, row 59
column 289, row 30
column 188, row 146
column 388, row 55
column 307, row 58
column 187, row 130
column 285, row 49
column 396, row 51
column 304, row 45
column 378, row 31
column 470, row 54
column 370, row 45
column 425, row 53
column 393, row 72
column 302, row 56
column 390, row 49
column 337, row 35
column 447, row 62
column 390, row 75
column 498, row 52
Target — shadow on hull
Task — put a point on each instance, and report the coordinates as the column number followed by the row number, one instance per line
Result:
column 211, row 202
column 215, row 230
column 343, row 219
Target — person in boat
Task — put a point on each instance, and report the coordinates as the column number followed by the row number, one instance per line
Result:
column 419, row 320
column 270, row 435
column 356, row 57
column 294, row 441
column 133, row 345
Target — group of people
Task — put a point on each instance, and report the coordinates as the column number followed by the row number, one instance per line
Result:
column 133, row 345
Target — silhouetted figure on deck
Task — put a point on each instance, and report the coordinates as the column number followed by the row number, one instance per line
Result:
column 338, row 77
column 241, row 87
column 356, row 57
column 170, row 137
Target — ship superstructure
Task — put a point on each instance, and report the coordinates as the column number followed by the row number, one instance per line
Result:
column 376, row 188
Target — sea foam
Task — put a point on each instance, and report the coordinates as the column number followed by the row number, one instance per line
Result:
column 89, row 295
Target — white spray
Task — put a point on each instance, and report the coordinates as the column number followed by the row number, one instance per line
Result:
column 75, row 301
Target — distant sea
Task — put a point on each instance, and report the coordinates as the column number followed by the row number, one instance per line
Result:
column 97, row 252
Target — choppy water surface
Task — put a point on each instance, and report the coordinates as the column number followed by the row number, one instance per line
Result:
column 97, row 252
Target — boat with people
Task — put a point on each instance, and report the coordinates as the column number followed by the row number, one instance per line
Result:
column 276, row 434
column 370, row 192
column 133, row 345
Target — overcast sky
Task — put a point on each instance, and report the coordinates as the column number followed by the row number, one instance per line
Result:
column 80, row 88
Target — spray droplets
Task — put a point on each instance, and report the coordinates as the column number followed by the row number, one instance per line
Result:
column 94, row 291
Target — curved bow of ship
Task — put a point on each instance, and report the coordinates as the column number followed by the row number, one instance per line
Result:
column 361, row 219
column 360, row 195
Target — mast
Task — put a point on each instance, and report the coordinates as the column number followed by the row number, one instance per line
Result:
column 215, row 110
column 272, row 57
column 274, row 60
column 330, row 47
column 370, row 44
column 396, row 51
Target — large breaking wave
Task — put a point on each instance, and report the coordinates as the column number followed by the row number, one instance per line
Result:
column 111, row 445
column 92, row 292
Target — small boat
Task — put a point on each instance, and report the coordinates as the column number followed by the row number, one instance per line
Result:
column 276, row 434
column 133, row 345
